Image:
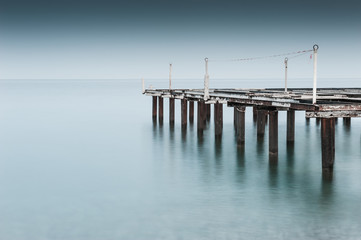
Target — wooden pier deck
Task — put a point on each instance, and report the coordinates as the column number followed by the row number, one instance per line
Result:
column 332, row 103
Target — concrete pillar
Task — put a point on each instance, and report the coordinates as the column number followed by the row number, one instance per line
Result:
column 240, row 123
column 154, row 112
column 261, row 123
column 160, row 110
column 328, row 143
column 171, row 111
column 290, row 126
column 273, row 133
column 184, row 113
column 191, row 111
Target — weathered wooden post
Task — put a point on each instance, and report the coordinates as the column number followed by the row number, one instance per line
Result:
column 315, row 48
column 328, row 144
column 290, row 126
column 261, row 123
column 218, row 119
column 235, row 115
column 171, row 111
column 191, row 111
column 241, row 124
column 273, row 133
column 154, row 113
column 184, row 113
column 160, row 110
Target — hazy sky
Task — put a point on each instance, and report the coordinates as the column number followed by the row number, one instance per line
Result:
column 134, row 39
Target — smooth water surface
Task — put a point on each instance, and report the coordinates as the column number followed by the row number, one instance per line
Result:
column 82, row 160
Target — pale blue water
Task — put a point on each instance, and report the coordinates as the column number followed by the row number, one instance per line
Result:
column 82, row 160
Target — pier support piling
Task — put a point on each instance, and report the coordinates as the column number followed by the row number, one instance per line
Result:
column 184, row 113
column 171, row 111
column 191, row 111
column 240, row 125
column 254, row 114
column 200, row 122
column 328, row 144
column 218, row 117
column 208, row 109
column 347, row 121
column 291, row 126
column 160, row 110
column 273, row 133
column 261, row 123
column 154, row 112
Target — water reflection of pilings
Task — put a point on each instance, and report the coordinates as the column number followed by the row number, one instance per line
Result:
column 273, row 173
column 326, row 195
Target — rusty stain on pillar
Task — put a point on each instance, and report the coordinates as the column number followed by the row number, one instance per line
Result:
column 218, row 120
column 290, row 126
column 240, row 123
column 328, row 143
column 171, row 111
column 160, row 110
column 273, row 133
column 261, row 122
column 154, row 113
column 184, row 113
column 191, row 112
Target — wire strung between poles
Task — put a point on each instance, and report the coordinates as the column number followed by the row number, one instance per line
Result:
column 298, row 53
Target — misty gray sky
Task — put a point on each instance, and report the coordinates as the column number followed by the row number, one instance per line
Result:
column 134, row 39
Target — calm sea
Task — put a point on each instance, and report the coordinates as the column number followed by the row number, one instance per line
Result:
column 81, row 159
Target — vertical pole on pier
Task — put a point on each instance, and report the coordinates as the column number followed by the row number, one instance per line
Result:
column 273, row 133
column 218, row 119
column 261, row 123
column 290, row 126
column 171, row 111
column 154, row 113
column 240, row 123
column 160, row 110
column 170, row 76
column 143, row 86
column 328, row 144
column 206, row 82
column 184, row 113
column 191, row 111
column 315, row 48
column 286, row 61
column 200, row 123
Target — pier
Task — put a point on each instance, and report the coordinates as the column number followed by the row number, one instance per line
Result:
column 326, row 105
column 331, row 104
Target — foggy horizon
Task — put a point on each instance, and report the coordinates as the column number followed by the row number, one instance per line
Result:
column 131, row 40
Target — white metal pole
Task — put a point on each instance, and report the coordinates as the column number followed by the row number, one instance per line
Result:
column 286, row 60
column 143, row 87
column 170, row 76
column 315, row 48
column 206, row 81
